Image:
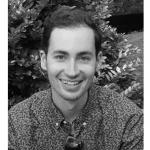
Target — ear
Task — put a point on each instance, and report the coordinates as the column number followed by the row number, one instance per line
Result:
column 99, row 58
column 43, row 60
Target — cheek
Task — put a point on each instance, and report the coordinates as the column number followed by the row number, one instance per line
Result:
column 53, row 68
column 89, row 71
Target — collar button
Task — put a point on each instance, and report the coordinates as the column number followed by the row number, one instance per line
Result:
column 57, row 124
column 84, row 123
column 65, row 122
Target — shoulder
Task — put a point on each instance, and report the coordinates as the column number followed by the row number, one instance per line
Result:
column 121, row 117
column 21, row 111
column 115, row 102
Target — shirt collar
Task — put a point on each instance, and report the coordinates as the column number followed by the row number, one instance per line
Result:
column 44, row 109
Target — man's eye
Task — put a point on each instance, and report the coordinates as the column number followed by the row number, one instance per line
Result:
column 60, row 57
column 85, row 58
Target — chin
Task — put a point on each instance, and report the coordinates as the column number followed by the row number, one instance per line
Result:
column 71, row 97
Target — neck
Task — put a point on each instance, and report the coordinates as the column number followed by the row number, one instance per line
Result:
column 69, row 108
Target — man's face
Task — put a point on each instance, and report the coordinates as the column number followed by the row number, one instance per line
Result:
column 70, row 61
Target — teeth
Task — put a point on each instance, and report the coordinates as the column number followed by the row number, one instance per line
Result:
column 70, row 82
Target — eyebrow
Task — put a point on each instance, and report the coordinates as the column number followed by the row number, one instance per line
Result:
column 85, row 53
column 60, row 52
column 66, row 53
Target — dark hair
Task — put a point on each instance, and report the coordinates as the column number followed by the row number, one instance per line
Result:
column 66, row 16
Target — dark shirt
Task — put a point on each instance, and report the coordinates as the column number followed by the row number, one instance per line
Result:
column 109, row 121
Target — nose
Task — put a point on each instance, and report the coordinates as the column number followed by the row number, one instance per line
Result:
column 72, row 69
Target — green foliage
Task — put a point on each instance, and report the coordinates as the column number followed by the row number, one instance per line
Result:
column 120, row 66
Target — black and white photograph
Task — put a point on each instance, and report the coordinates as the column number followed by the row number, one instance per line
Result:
column 75, row 75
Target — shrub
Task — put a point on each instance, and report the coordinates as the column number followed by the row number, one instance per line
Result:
column 119, row 69
column 127, row 7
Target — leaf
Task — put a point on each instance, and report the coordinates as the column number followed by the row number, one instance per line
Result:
column 115, row 73
column 118, row 69
column 108, row 78
column 111, row 75
column 34, row 77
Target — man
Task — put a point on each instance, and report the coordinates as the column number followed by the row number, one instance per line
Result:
column 74, row 113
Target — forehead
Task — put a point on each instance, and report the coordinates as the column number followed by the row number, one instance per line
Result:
column 72, row 39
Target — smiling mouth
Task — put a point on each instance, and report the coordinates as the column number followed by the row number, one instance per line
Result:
column 71, row 83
